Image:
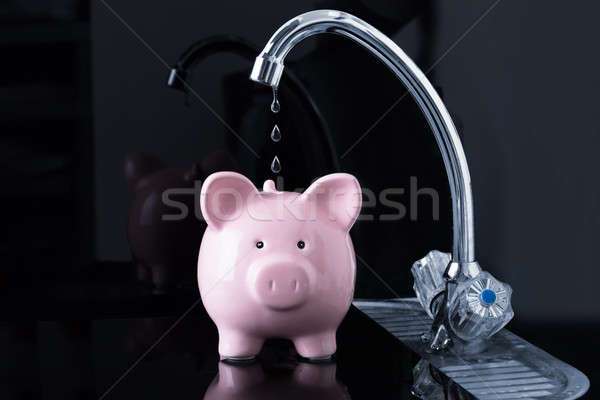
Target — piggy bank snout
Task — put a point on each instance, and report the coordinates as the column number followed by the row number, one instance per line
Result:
column 281, row 286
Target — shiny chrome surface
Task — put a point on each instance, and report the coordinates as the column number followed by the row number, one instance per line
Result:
column 468, row 269
column 504, row 367
column 269, row 66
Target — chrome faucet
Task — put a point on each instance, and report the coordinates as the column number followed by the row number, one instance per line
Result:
column 268, row 68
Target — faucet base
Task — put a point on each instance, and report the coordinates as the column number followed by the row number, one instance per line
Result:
column 438, row 339
column 455, row 269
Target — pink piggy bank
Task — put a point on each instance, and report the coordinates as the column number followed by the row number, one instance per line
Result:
column 277, row 264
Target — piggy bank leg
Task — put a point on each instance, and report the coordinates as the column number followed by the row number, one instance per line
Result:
column 143, row 275
column 160, row 277
column 235, row 345
column 316, row 347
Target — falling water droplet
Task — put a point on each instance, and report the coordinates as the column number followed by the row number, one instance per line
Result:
column 276, row 134
column 276, row 165
column 275, row 107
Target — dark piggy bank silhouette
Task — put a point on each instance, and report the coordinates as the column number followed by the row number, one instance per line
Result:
column 165, row 225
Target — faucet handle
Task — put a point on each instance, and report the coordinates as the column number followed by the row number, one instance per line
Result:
column 428, row 273
column 480, row 307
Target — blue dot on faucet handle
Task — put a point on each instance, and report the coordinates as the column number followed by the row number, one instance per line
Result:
column 488, row 296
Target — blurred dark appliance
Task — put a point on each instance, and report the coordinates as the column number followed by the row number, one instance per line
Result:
column 306, row 149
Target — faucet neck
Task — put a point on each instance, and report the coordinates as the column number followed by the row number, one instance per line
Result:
column 269, row 66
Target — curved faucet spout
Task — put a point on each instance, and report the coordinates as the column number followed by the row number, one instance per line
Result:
column 269, row 66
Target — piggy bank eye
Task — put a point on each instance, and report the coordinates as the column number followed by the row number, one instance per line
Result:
column 260, row 244
column 300, row 244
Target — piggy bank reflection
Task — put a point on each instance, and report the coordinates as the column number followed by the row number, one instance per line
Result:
column 248, row 382
column 276, row 264
column 164, row 229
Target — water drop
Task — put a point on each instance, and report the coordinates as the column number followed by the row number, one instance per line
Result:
column 275, row 107
column 276, row 134
column 276, row 165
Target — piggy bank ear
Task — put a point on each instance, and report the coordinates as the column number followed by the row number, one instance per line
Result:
column 138, row 165
column 225, row 197
column 336, row 198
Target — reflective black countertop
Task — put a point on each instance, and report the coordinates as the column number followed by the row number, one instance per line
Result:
column 108, row 337
column 158, row 357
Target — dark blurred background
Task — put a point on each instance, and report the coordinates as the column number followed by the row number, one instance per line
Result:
column 92, row 136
